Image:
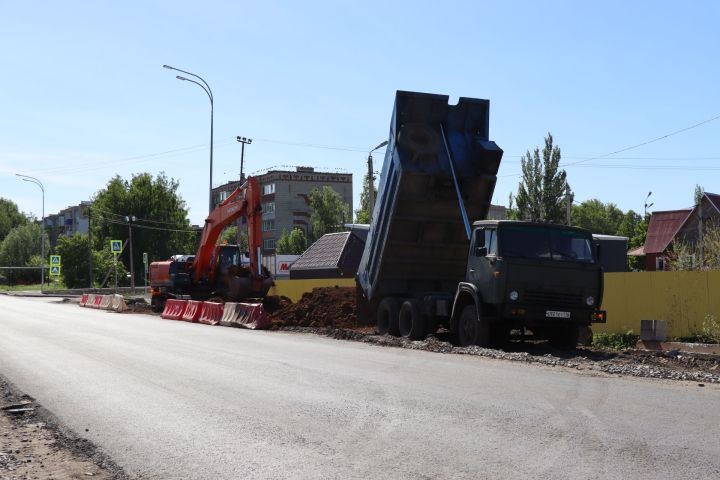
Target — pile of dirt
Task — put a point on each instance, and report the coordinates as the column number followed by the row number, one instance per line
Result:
column 323, row 307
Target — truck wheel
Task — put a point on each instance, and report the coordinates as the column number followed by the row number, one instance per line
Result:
column 565, row 337
column 471, row 329
column 388, row 314
column 411, row 320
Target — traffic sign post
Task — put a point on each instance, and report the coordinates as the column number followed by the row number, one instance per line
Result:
column 55, row 260
column 116, row 249
column 145, row 262
column 54, row 270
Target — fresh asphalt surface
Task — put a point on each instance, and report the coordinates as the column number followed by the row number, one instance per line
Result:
column 174, row 400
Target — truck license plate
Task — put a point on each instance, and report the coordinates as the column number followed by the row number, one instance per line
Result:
column 556, row 314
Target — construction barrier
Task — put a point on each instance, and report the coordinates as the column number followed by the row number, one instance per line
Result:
column 97, row 301
column 246, row 315
column 211, row 313
column 192, row 311
column 106, row 302
column 90, row 300
column 174, row 309
column 118, row 303
column 84, row 299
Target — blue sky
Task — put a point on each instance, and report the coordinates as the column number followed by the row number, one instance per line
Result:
column 83, row 95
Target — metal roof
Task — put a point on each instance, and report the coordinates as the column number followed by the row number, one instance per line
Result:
column 662, row 229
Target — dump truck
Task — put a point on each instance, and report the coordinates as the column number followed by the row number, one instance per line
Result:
column 431, row 259
column 217, row 270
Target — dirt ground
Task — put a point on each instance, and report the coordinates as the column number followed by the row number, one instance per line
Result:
column 332, row 307
column 32, row 446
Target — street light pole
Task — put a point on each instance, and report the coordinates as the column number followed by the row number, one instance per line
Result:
column 129, row 219
column 204, row 85
column 647, row 205
column 371, row 178
column 27, row 178
column 243, row 141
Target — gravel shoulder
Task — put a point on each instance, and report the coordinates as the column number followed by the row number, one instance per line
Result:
column 34, row 446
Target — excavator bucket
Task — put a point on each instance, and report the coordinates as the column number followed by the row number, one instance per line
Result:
column 244, row 287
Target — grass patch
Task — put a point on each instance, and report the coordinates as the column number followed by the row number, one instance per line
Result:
column 615, row 341
column 17, row 288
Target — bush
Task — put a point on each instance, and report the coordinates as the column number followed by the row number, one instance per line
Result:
column 616, row 341
column 709, row 332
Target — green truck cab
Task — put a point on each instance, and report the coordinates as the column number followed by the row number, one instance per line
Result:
column 523, row 275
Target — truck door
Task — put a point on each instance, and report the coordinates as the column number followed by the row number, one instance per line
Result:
column 481, row 262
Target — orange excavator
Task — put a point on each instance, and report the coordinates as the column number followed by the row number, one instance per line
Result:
column 217, row 270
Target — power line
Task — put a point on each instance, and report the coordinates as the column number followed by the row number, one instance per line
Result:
column 135, row 225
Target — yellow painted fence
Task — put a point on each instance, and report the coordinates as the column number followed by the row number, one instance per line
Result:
column 683, row 299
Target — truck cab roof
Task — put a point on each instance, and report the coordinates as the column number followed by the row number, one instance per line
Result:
column 495, row 223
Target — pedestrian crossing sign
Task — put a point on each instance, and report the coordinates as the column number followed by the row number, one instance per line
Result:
column 55, row 270
column 55, row 260
column 116, row 246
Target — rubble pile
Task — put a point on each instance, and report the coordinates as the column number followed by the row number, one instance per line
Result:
column 323, row 307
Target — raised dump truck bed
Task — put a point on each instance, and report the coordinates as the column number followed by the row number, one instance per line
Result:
column 419, row 234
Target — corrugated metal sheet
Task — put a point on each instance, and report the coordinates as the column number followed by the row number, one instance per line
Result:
column 333, row 255
column 662, row 229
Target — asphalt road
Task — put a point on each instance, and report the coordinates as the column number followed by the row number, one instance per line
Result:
column 170, row 400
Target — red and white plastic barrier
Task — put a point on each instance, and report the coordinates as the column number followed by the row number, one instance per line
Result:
column 106, row 302
column 192, row 311
column 211, row 313
column 84, row 299
column 97, row 301
column 174, row 309
column 118, row 303
column 245, row 315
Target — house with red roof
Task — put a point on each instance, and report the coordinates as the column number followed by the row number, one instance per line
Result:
column 683, row 225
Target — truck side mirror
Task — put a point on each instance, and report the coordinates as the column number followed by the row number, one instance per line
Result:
column 480, row 251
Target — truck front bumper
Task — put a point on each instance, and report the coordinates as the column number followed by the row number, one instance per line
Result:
column 549, row 315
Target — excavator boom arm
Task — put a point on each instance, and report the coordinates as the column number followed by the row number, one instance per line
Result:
column 243, row 202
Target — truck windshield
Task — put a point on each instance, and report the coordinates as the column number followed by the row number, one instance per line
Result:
column 545, row 243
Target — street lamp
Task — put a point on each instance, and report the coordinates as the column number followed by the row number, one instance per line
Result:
column 27, row 178
column 204, row 85
column 371, row 177
column 243, row 141
column 647, row 205
column 129, row 219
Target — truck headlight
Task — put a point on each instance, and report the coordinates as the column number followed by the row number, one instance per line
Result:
column 590, row 301
column 514, row 295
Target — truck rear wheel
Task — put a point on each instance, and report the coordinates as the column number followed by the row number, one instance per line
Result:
column 388, row 314
column 472, row 329
column 411, row 320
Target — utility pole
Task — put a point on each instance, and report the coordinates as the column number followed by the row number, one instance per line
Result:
column 569, row 197
column 700, row 235
column 371, row 179
column 243, row 141
column 90, row 248
column 130, row 219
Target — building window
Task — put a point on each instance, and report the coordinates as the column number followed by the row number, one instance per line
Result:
column 268, row 189
column 268, row 225
column 268, row 210
column 269, row 244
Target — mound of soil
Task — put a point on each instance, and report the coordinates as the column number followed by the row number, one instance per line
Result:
column 323, row 307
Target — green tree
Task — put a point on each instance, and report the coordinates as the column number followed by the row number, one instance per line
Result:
column 699, row 192
column 10, row 217
column 75, row 252
column 329, row 211
column 637, row 239
column 628, row 225
column 293, row 243
column 541, row 192
column 18, row 248
column 104, row 270
column 161, row 227
column 598, row 217
column 363, row 214
column 230, row 236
